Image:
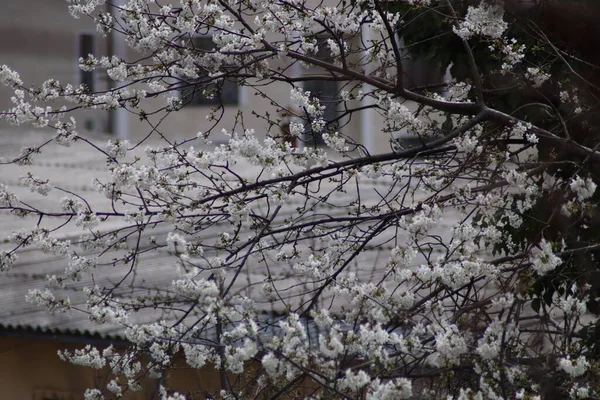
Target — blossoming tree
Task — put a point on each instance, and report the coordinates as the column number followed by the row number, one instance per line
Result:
column 302, row 279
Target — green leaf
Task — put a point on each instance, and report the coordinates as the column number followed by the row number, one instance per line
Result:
column 535, row 305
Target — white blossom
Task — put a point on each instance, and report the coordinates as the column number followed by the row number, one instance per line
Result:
column 114, row 387
column 335, row 141
column 351, row 268
column 88, row 357
column 66, row 134
column 402, row 115
column 196, row 288
column 176, row 243
column 459, row 91
column 537, row 76
column 108, row 314
column 583, row 188
column 543, row 259
column 197, row 355
column 7, row 198
column 309, row 104
column 7, row 259
column 574, row 367
column 117, row 148
column 423, row 3
column 579, row 392
column 513, row 54
column 36, row 184
column 87, row 220
column 450, row 344
column 8, row 77
column 400, row 388
column 355, row 380
column 483, row 20
column 93, row 394
column 78, row 265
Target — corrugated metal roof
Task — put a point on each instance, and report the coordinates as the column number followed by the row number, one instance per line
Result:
column 75, row 170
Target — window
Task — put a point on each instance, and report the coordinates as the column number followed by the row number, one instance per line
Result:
column 323, row 50
column 203, row 93
column 325, row 92
column 86, row 47
column 420, row 73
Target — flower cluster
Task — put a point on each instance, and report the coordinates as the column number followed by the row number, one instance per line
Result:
column 536, row 76
column 410, row 249
column 484, row 20
column 583, row 188
column 542, row 258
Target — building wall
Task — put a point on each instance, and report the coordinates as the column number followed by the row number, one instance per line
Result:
column 39, row 39
column 30, row 369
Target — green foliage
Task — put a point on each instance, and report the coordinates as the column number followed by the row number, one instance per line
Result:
column 427, row 35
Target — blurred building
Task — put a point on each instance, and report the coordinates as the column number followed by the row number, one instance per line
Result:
column 41, row 40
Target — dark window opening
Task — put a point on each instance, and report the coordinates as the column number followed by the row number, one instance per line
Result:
column 423, row 74
column 325, row 92
column 86, row 47
column 323, row 50
column 204, row 92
